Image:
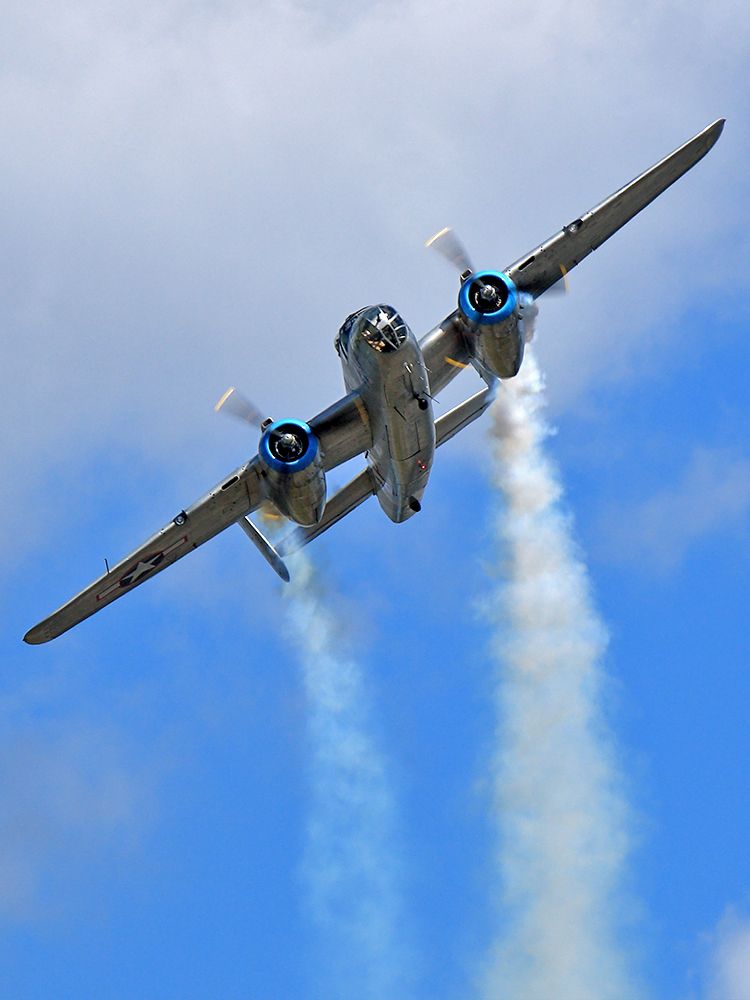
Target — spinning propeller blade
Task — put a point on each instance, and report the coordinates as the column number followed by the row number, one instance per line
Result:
column 450, row 246
column 234, row 403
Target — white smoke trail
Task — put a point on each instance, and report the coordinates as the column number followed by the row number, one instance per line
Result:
column 350, row 864
column 561, row 815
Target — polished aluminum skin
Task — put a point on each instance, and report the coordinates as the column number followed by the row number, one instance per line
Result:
column 387, row 414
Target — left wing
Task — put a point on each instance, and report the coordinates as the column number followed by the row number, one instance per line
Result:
column 445, row 352
column 239, row 494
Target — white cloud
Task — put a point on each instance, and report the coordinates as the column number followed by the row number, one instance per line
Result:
column 711, row 497
column 201, row 192
column 73, row 792
column 730, row 960
column 171, row 171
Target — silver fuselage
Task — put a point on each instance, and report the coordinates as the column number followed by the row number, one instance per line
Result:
column 393, row 388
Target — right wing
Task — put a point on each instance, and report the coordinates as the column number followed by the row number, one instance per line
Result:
column 239, row 494
column 343, row 431
column 541, row 268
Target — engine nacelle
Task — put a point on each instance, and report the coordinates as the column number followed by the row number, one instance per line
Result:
column 291, row 458
column 493, row 317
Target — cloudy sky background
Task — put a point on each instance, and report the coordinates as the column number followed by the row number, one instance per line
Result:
column 196, row 196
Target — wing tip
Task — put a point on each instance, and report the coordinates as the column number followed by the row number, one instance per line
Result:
column 701, row 143
column 46, row 630
column 718, row 126
column 37, row 635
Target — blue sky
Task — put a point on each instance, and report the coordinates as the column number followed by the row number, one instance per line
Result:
column 167, row 175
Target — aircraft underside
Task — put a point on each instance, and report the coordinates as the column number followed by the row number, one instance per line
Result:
column 387, row 415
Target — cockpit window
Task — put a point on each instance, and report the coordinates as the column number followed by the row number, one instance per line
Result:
column 344, row 335
column 383, row 328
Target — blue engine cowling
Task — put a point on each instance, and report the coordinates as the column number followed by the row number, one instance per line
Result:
column 492, row 310
column 293, row 464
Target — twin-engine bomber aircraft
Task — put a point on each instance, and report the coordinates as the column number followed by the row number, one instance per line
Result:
column 391, row 380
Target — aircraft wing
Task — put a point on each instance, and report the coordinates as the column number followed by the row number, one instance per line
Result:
column 343, row 430
column 237, row 495
column 541, row 268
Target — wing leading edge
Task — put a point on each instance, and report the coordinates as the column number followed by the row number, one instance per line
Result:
column 539, row 269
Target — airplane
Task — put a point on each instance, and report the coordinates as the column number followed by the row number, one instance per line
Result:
column 391, row 379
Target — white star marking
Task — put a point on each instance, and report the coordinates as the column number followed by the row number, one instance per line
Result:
column 140, row 570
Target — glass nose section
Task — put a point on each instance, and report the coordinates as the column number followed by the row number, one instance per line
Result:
column 383, row 328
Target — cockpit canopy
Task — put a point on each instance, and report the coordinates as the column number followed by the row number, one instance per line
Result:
column 380, row 326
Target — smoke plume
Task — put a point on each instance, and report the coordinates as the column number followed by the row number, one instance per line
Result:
column 562, row 822
column 350, row 851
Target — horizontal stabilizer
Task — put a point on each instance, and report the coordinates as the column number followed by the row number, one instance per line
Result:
column 456, row 419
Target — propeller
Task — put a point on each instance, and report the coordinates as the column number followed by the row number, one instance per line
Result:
column 237, row 405
column 450, row 247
